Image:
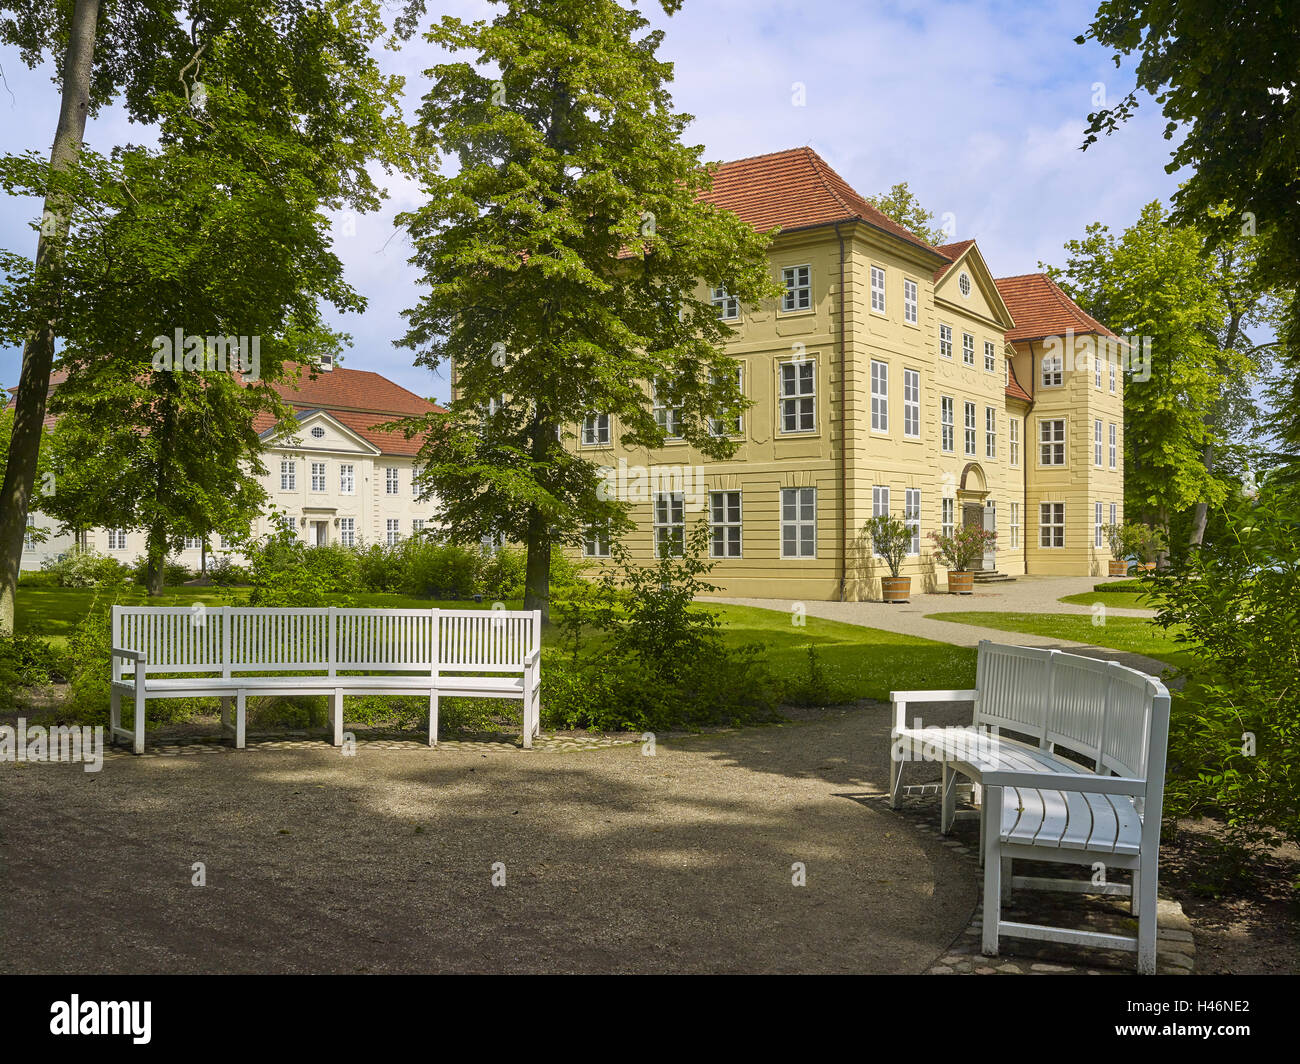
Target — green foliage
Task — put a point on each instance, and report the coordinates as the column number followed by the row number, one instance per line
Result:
column 174, row 573
column 26, row 661
column 225, row 573
column 901, row 205
column 286, row 571
column 889, row 538
column 76, row 567
column 959, row 551
column 1236, row 603
column 657, row 662
column 563, row 259
column 818, row 684
column 1137, row 587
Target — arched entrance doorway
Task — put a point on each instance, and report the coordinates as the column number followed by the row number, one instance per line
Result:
column 977, row 510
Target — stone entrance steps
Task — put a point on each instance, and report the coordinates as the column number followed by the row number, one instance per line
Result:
column 992, row 576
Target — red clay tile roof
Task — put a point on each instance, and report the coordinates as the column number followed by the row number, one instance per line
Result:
column 794, row 189
column 952, row 252
column 1041, row 309
column 356, row 398
column 1013, row 389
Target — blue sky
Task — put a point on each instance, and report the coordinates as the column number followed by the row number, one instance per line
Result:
column 979, row 105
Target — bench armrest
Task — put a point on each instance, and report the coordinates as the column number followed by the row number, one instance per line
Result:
column 532, row 657
column 128, row 655
column 900, row 699
column 1086, row 782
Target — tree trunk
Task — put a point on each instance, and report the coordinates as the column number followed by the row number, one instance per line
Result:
column 1201, row 513
column 537, row 579
column 155, row 570
column 38, row 353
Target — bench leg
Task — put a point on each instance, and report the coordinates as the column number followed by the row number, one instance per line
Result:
column 433, row 718
column 1006, row 878
column 226, row 722
column 137, row 745
column 114, row 715
column 1144, row 907
column 948, row 803
column 528, row 726
column 336, row 716
column 241, row 719
column 895, row 777
column 992, row 879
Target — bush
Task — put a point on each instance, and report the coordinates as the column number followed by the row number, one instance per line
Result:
column 441, row 570
column 657, row 661
column 174, row 573
column 85, row 568
column 26, row 661
column 1136, row 587
column 501, row 575
column 1236, row 723
column 285, row 571
column 225, row 573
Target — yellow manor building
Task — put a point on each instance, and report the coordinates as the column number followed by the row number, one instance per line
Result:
column 889, row 377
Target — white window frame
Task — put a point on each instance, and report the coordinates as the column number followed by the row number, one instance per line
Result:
column 967, row 349
column 727, row 305
column 1013, row 441
column 392, row 531
column 347, row 478
column 797, row 281
column 969, row 437
column 879, row 396
column 1114, row 445
column 1096, row 372
column 1051, row 373
column 990, row 357
column 799, row 528
column 738, row 427
column 798, row 404
column 669, row 523
column 945, row 341
column 1114, row 513
column 947, row 516
column 726, row 524
column 348, row 531
column 878, row 289
column 668, row 418
column 318, row 475
column 910, row 301
column 117, row 539
column 912, row 517
column 947, row 424
column 1096, row 524
column 595, row 542
column 392, row 480
column 595, row 430
column 1096, row 442
column 1051, row 525
column 288, row 474
column 1051, row 444
column 417, row 525
column 1110, row 365
column 991, row 432
column 912, row 404
column 1013, row 525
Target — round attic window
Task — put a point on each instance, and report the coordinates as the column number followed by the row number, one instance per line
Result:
column 318, row 432
column 963, row 282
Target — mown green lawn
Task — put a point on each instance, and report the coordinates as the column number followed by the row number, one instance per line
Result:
column 857, row 662
column 1136, row 635
column 1126, row 600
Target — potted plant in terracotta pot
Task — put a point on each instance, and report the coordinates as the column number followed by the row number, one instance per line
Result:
column 1120, row 540
column 958, row 553
column 1152, row 544
column 891, row 539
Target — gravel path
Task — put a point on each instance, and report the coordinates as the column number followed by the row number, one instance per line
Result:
column 382, row 862
column 1024, row 595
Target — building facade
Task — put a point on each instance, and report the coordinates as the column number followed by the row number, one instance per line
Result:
column 337, row 477
column 889, row 377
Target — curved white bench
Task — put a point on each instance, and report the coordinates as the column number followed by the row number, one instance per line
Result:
column 1050, row 807
column 228, row 652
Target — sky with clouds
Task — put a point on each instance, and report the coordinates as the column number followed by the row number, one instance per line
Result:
column 979, row 105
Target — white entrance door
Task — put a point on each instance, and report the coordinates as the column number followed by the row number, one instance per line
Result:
column 991, row 525
column 322, row 533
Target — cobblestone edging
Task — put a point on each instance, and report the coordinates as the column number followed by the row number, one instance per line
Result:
column 1175, row 945
column 222, row 745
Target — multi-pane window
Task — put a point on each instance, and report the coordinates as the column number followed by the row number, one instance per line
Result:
column 945, row 341
column 415, row 482
column 1096, row 525
column 1114, row 508
column 946, row 521
column 116, row 539
column 968, row 348
column 878, row 289
column 1111, row 367
column 595, row 430
column 346, row 479
column 724, row 514
column 390, row 480
column 1096, row 442
column 911, row 403
column 729, row 426
column 318, row 476
column 879, row 396
column 195, row 543
column 909, row 302
column 670, row 523
column 288, row 474
column 1112, row 445
column 417, row 525
column 1014, row 525
column 667, row 417
column 970, row 428
column 1013, row 441
column 1051, row 441
column 1053, row 370
column 946, row 426
column 880, row 500
column 595, row 542
column 990, row 432
column 393, row 530
column 348, row 531
column 798, row 396
column 1051, row 524
column 912, row 517
column 798, row 288
column 727, row 305
column 990, row 357
column 798, row 522
column 1096, row 372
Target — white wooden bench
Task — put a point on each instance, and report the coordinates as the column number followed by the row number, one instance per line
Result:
column 1039, row 805
column 234, row 652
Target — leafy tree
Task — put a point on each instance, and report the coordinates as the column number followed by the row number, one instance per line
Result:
column 902, row 206
column 265, row 79
column 562, row 260
column 1225, row 78
column 1156, row 280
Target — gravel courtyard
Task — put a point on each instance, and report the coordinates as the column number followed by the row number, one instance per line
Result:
column 383, row 862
